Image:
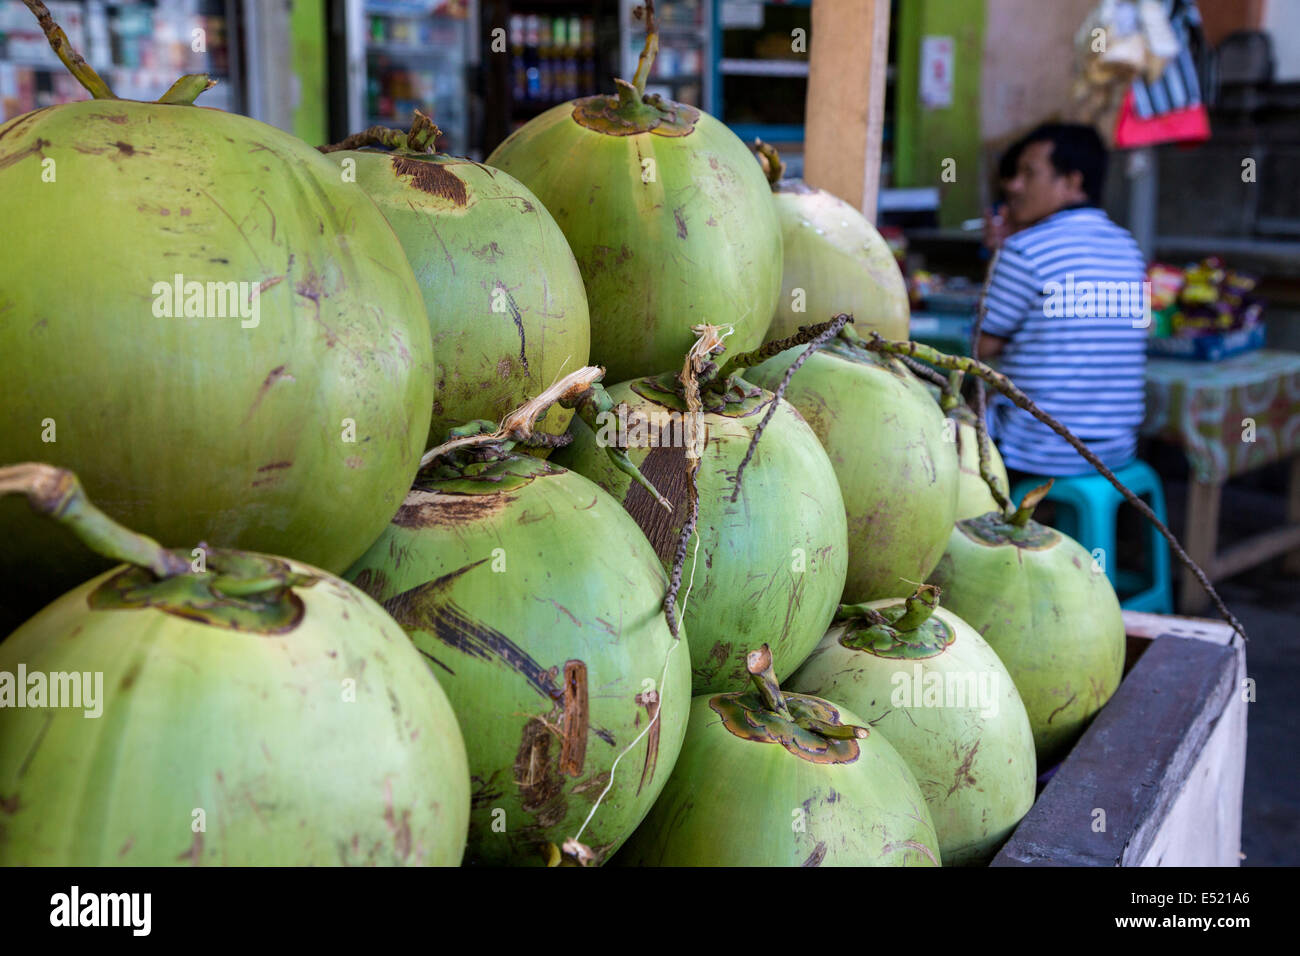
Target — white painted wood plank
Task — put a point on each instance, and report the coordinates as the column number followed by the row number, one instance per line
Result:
column 1203, row 826
column 1142, row 624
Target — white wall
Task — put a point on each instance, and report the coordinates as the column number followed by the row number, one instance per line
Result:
column 1028, row 64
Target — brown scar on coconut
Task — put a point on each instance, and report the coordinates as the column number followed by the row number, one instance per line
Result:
column 431, row 178
column 573, row 750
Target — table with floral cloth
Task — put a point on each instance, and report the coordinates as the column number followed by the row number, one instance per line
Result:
column 1229, row 417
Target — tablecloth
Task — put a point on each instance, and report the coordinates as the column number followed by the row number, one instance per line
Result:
column 1231, row 416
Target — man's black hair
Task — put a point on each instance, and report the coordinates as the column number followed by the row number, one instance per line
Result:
column 1075, row 149
column 1010, row 160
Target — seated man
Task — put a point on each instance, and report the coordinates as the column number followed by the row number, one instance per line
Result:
column 1066, row 310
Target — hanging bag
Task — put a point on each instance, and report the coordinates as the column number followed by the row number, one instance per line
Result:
column 1169, row 108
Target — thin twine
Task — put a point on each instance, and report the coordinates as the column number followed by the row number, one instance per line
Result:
column 707, row 338
column 658, row 710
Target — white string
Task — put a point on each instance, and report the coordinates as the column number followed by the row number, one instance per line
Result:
column 658, row 710
column 560, row 373
column 699, row 330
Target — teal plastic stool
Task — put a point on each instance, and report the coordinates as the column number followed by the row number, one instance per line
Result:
column 1088, row 511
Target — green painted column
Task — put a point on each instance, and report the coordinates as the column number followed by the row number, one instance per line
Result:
column 926, row 137
column 309, row 65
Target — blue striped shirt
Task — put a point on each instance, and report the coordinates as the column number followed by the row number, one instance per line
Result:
column 1069, row 295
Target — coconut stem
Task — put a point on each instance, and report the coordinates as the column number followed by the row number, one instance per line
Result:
column 649, row 51
column 546, row 440
column 581, row 390
column 759, row 665
column 1006, row 387
column 518, row 425
column 372, row 136
column 806, row 334
column 982, row 444
column 56, row 492
column 950, row 396
column 918, row 608
column 708, row 341
column 981, row 422
column 849, row 612
column 679, row 557
column 423, row 134
column 187, row 89
column 1028, row 503
column 829, row 331
column 589, row 405
column 949, row 399
column 627, row 96
column 925, row 373
column 420, row 138
column 698, row 370
column 68, row 55
column 770, row 160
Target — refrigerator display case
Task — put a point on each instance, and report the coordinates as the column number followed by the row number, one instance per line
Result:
column 140, row 48
column 552, row 60
column 403, row 55
column 556, row 50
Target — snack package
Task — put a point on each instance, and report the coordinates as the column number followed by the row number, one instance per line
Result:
column 1166, row 283
column 1213, row 299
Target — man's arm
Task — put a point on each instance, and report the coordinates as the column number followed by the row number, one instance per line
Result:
column 1012, row 291
column 990, row 346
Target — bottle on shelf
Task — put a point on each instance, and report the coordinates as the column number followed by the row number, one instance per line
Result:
column 545, row 62
column 397, row 92
column 559, row 83
column 588, row 57
column 572, row 58
column 518, row 72
column 387, row 92
column 532, row 71
column 215, row 27
column 406, row 99
column 427, row 92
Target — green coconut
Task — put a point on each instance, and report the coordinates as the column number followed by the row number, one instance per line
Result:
column 835, row 261
column 256, row 712
column 926, row 680
column 502, row 291
column 539, row 605
column 767, row 778
column 668, row 215
column 285, row 415
column 773, row 561
column 1048, row 611
column 897, row 469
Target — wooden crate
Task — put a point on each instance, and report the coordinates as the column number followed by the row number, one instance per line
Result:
column 1157, row 778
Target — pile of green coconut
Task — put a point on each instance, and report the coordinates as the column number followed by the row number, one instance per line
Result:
column 370, row 505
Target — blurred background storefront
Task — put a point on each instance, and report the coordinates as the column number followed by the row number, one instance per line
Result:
column 482, row 68
column 964, row 79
